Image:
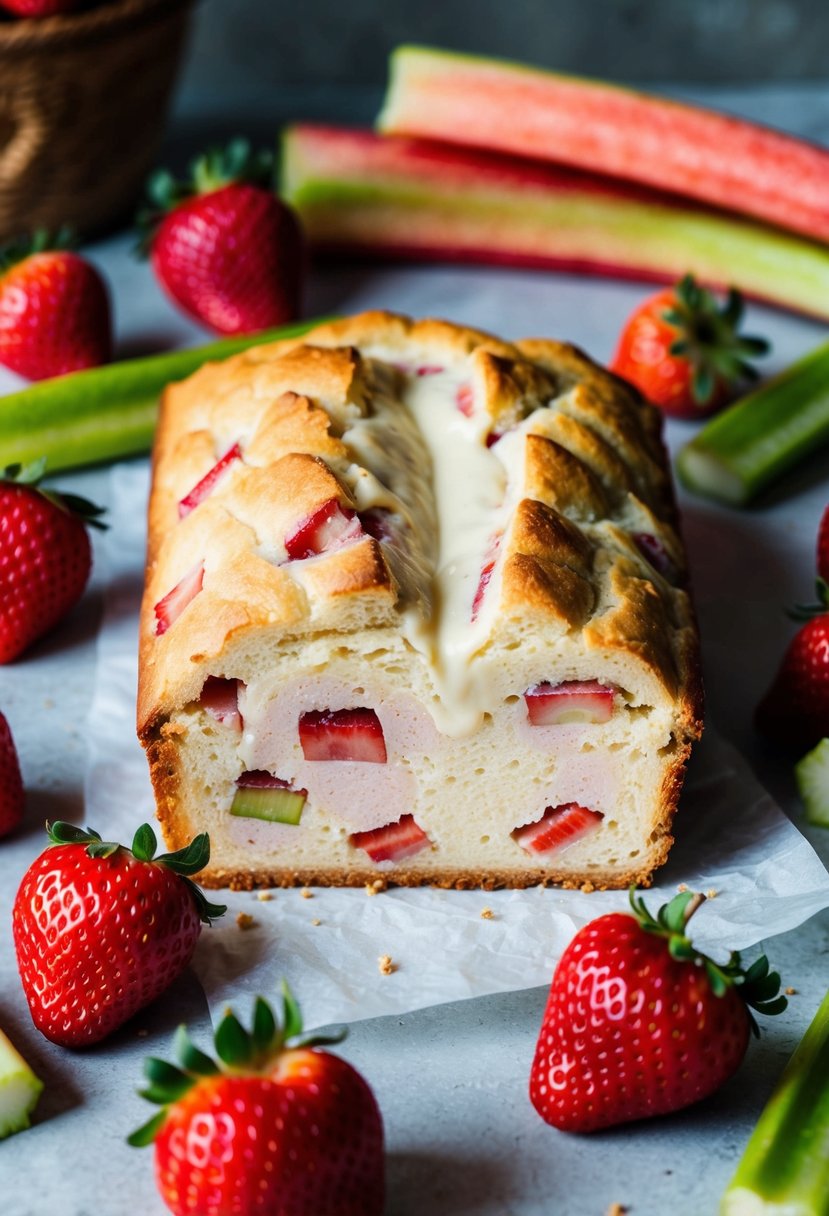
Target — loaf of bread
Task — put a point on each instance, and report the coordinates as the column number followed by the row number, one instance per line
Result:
column 415, row 613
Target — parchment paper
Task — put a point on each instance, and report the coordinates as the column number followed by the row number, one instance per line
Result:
column 732, row 839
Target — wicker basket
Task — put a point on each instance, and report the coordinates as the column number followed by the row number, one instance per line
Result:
column 82, row 105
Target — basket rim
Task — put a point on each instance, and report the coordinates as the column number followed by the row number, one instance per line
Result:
column 32, row 34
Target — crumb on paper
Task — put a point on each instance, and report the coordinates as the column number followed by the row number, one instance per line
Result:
column 48, row 703
column 587, row 888
column 683, row 886
column 264, row 896
column 316, row 921
column 711, row 893
column 385, row 964
column 616, row 1209
column 790, row 991
column 487, row 914
column 244, row 920
column 375, row 887
column 306, row 893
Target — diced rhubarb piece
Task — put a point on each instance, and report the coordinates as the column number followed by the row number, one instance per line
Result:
column 558, row 826
column 606, row 128
column 342, row 734
column 204, row 488
column 465, row 400
column 329, row 527
column 358, row 193
column 220, row 698
column 486, row 574
column 571, row 701
column 375, row 522
column 429, row 370
column 170, row 608
column 260, row 795
column 392, row 842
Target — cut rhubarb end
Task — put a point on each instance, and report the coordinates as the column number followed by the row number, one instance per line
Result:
column 260, row 795
column 204, row 488
column 559, row 826
column 429, row 370
column 571, row 701
column 465, row 400
column 170, row 608
column 220, row 698
column 392, row 842
column 343, row 734
column 329, row 527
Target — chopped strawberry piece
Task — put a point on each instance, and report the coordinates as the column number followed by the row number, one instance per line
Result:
column 465, row 400
column 343, row 734
column 654, row 551
column 571, row 701
column 220, row 698
column 329, row 527
column 202, row 489
column 493, row 437
column 558, row 826
column 260, row 795
column 429, row 370
column 375, row 522
column 486, row 574
column 392, row 842
column 170, row 608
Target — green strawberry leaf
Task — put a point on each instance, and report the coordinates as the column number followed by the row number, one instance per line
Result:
column 144, row 843
column 233, row 1043
column 192, row 1059
column 148, row 1131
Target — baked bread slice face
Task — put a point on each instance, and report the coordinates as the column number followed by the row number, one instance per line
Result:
column 415, row 612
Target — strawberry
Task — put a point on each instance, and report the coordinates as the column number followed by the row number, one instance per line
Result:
column 795, row 710
column 639, row 1023
column 11, row 782
column 220, row 698
column 276, row 1126
column 101, row 930
column 683, row 351
column 54, row 310
column 35, row 9
column 328, row 527
column 558, row 826
column 223, row 246
column 204, row 488
column 170, row 607
column 342, row 734
column 45, row 556
column 570, row 701
column 392, row 842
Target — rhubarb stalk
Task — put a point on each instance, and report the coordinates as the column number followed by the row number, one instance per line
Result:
column 762, row 435
column 106, row 412
column 785, row 1168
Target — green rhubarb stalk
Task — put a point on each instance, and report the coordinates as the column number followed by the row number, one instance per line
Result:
column 785, row 1168
column 812, row 776
column 19, row 1089
column 751, row 444
column 105, row 413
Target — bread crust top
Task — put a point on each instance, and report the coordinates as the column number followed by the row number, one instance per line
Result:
column 320, row 420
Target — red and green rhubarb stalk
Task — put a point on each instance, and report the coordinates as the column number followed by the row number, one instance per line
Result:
column 105, row 413
column 759, row 438
column 360, row 193
column 785, row 1168
column 508, row 107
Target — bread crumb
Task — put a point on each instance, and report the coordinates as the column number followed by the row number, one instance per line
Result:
column 244, row 920
column 487, row 914
column 616, row 1209
column 790, row 991
column 711, row 893
column 386, row 965
column 48, row 703
column 316, row 921
column 374, row 888
column 306, row 894
column 263, row 896
column 683, row 886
